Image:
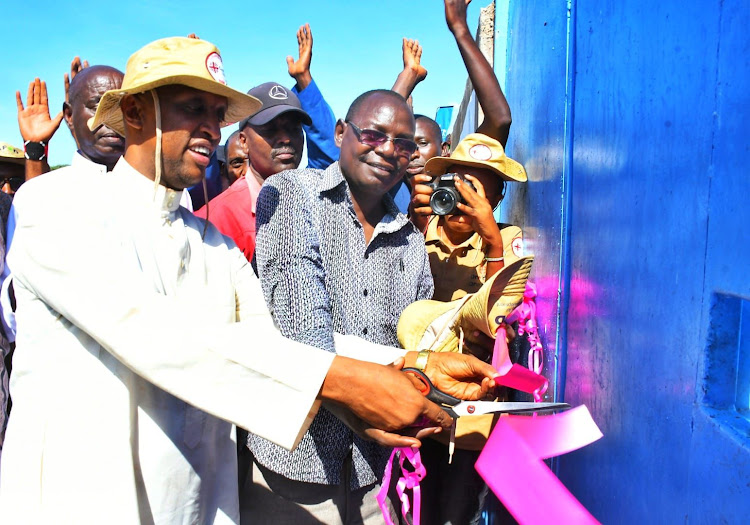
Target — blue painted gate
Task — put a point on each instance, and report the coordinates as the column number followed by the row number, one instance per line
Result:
column 632, row 119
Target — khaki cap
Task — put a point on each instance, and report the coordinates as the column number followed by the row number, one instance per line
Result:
column 176, row 60
column 436, row 325
column 479, row 151
column 11, row 154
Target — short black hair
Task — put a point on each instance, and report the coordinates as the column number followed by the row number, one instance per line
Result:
column 226, row 144
column 431, row 123
column 364, row 97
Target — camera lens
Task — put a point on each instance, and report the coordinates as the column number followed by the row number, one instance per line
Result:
column 443, row 201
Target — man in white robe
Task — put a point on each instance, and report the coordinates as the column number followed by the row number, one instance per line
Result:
column 143, row 335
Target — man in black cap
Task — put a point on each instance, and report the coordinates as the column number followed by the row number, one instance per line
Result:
column 273, row 140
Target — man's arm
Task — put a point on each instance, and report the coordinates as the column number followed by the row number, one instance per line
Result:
column 413, row 72
column 497, row 117
column 321, row 146
column 35, row 123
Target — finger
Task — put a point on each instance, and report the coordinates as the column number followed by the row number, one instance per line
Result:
column 390, row 439
column 419, row 53
column 308, row 32
column 477, row 184
column 421, row 178
column 399, row 363
column 75, row 65
column 58, row 119
column 437, row 415
column 30, row 94
column 66, row 82
column 289, row 62
column 466, row 209
column 86, row 62
column 19, row 102
column 37, row 91
column 43, row 97
column 300, row 36
column 423, row 210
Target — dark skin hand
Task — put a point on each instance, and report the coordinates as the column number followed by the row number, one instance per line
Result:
column 497, row 118
column 413, row 72
column 75, row 67
column 35, row 123
column 299, row 70
column 371, row 394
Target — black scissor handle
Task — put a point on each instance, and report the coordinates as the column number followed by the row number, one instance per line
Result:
column 433, row 394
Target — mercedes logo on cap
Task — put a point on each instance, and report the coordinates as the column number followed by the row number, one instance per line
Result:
column 279, row 93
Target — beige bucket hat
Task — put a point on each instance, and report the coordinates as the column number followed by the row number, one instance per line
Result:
column 436, row 325
column 479, row 151
column 176, row 60
column 11, row 154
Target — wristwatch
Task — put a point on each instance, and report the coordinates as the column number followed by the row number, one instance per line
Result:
column 35, row 150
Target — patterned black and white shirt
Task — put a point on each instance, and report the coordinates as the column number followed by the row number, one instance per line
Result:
column 319, row 277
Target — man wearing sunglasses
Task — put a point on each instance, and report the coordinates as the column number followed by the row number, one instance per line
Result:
column 334, row 254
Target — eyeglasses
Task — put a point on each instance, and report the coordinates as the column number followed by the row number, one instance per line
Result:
column 375, row 138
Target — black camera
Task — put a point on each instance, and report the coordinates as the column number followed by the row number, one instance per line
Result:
column 445, row 196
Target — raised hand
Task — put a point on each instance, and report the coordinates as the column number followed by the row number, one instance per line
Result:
column 455, row 13
column 412, row 52
column 300, row 69
column 34, row 120
column 75, row 67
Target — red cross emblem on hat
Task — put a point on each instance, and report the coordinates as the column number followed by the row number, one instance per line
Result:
column 517, row 246
column 215, row 67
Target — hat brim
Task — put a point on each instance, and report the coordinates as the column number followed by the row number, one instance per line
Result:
column 239, row 105
column 264, row 116
column 512, row 171
column 14, row 160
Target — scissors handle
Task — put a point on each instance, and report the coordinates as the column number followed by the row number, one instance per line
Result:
column 446, row 401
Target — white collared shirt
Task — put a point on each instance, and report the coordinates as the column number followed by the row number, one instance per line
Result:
column 130, row 360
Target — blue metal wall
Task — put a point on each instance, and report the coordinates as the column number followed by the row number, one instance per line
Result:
column 632, row 121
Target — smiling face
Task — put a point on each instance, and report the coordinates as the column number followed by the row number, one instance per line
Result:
column 428, row 139
column 372, row 171
column 190, row 133
column 274, row 146
column 103, row 145
column 236, row 165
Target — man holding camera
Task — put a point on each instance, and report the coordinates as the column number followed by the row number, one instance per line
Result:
column 453, row 203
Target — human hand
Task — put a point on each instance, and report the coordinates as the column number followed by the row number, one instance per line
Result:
column 479, row 210
column 300, row 69
column 420, row 195
column 460, row 375
column 455, row 13
column 75, row 67
column 381, row 396
column 408, row 437
column 412, row 53
column 34, row 120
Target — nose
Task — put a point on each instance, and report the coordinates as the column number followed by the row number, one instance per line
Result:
column 212, row 129
column 387, row 148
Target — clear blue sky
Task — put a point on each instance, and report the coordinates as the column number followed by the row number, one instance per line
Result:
column 357, row 46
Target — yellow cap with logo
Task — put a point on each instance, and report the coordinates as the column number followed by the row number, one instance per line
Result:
column 479, row 151
column 176, row 60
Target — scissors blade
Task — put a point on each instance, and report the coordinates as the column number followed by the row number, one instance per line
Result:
column 477, row 408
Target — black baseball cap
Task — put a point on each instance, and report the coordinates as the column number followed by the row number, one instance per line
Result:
column 276, row 100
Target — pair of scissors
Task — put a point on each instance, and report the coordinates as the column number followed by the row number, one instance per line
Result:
column 458, row 408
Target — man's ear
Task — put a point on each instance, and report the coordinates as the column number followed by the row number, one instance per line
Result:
column 244, row 145
column 339, row 132
column 132, row 111
column 68, row 114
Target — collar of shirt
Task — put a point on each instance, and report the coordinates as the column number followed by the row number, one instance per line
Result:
column 141, row 192
column 433, row 237
column 253, row 187
column 81, row 163
column 393, row 220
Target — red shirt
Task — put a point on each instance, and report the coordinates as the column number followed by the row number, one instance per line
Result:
column 233, row 213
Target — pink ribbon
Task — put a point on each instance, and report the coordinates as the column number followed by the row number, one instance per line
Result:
column 409, row 480
column 527, row 380
column 512, row 465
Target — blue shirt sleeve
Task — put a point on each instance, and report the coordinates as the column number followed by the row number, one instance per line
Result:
column 321, row 147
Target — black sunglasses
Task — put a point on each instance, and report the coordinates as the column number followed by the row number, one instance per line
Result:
column 375, row 138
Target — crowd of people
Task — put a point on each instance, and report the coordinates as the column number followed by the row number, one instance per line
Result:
column 206, row 332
